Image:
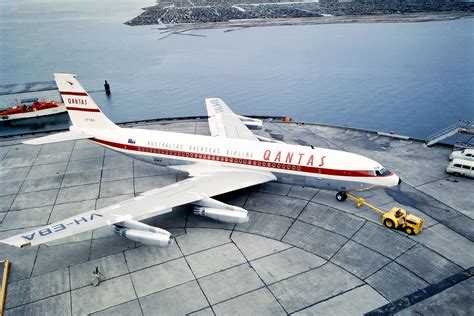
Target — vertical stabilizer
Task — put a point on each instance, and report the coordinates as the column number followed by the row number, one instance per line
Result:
column 82, row 110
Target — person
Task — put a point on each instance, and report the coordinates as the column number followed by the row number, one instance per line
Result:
column 96, row 276
column 107, row 87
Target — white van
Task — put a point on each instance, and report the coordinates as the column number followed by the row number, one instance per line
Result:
column 467, row 154
column 461, row 167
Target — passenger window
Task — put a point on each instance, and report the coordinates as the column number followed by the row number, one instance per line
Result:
column 457, row 165
column 466, row 167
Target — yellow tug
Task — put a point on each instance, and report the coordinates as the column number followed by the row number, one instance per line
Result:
column 396, row 218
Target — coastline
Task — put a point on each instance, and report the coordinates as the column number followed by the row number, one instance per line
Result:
column 346, row 19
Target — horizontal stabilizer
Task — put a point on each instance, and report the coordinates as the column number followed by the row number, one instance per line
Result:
column 59, row 137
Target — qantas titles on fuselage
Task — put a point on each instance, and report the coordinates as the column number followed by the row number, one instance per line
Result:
column 302, row 158
column 268, row 155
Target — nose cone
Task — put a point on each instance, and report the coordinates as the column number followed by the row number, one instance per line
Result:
column 394, row 180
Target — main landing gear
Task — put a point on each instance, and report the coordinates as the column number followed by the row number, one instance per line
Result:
column 341, row 196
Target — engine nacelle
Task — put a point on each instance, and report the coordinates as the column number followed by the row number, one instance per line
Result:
column 227, row 216
column 157, row 239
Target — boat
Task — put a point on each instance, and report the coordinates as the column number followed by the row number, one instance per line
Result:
column 30, row 108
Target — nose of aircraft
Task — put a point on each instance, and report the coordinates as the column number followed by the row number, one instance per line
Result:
column 393, row 180
column 396, row 180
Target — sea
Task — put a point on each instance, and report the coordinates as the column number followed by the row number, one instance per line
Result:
column 410, row 78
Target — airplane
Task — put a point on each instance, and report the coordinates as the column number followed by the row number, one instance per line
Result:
column 230, row 159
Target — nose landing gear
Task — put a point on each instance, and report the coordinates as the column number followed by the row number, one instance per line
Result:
column 341, row 196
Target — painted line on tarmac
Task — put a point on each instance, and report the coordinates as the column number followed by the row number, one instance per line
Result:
column 423, row 294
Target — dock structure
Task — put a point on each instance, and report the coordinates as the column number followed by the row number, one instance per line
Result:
column 461, row 127
column 27, row 87
column 302, row 251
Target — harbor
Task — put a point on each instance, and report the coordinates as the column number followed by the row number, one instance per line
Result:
column 302, row 252
column 214, row 14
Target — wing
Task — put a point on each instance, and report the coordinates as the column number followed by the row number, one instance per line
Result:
column 151, row 203
column 225, row 123
column 59, row 137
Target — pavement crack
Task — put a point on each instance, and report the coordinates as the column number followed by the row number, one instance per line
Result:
column 263, row 282
column 295, row 219
column 131, row 280
column 195, row 278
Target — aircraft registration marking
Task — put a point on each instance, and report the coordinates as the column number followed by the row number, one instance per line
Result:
column 60, row 226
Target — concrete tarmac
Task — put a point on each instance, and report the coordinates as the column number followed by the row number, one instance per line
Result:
column 302, row 252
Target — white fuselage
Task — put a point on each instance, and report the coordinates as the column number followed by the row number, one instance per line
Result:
column 291, row 164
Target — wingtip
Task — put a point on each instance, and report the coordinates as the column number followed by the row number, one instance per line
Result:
column 11, row 242
column 30, row 142
column 214, row 100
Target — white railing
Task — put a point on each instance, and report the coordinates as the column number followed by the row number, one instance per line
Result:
column 460, row 126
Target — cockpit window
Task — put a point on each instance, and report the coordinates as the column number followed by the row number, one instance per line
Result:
column 383, row 172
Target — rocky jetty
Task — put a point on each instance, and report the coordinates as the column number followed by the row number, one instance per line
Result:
column 211, row 11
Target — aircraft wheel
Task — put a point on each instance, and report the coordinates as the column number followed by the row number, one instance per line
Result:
column 341, row 196
column 389, row 223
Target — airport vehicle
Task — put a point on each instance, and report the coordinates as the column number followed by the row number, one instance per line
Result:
column 4, row 270
column 399, row 218
column 230, row 159
column 466, row 154
column 396, row 218
column 461, row 167
column 31, row 108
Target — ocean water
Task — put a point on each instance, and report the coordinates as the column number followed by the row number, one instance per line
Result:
column 410, row 78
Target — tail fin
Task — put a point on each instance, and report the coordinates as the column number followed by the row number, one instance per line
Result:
column 82, row 110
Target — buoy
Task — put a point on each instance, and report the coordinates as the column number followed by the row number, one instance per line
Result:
column 286, row 118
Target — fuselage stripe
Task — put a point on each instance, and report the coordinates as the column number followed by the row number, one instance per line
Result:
column 239, row 160
column 84, row 94
column 72, row 108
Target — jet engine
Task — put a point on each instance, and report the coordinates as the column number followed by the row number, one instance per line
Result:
column 220, row 211
column 143, row 233
column 226, row 216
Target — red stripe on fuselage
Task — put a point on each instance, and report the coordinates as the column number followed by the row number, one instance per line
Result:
column 71, row 108
column 84, row 94
column 239, row 161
